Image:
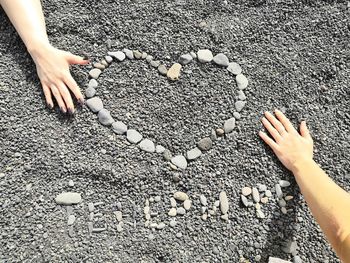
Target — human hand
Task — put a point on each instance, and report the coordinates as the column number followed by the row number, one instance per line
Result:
column 289, row 146
column 53, row 70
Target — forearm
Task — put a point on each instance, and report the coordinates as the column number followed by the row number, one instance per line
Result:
column 28, row 19
column 328, row 202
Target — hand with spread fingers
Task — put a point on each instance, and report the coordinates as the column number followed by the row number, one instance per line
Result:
column 289, row 146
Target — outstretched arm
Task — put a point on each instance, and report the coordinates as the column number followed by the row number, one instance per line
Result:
column 52, row 64
column 328, row 202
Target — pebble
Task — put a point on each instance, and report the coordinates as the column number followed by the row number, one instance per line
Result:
column 92, row 83
column 167, row 155
column 95, row 104
column 260, row 214
column 288, row 198
column 264, row 200
column 109, row 59
column 220, row 132
column 256, row 195
column 99, row 66
column 213, row 135
column 229, row 125
column 149, row 58
column 268, row 193
column 277, row 260
column 204, row 55
column 151, row 236
column 157, row 198
column 239, row 105
column 172, row 223
column 119, row 215
column 221, row 60
column 91, row 207
column 181, row 196
column 205, row 144
column 203, row 200
column 279, row 192
column 203, row 209
column 174, row 72
column 160, row 149
column 290, row 247
column 119, row 127
column 128, row 53
column 224, row 217
column 69, row 198
column 172, row 202
column 242, row 81
column 282, row 203
column 144, row 55
column 172, row 212
column 137, row 54
column 90, row 92
column 146, row 210
column 223, row 202
column 244, row 201
column 241, row 95
column 297, row 259
column 147, row 146
column 236, row 115
column 234, row 68
column 187, row 204
column 257, row 206
column 262, row 188
column 217, row 203
column 104, row 117
column 119, row 227
column 284, row 183
column 179, row 161
column 204, row 217
column 71, row 231
column 155, row 63
column 193, row 54
column 284, row 210
column 71, row 220
column 161, row 225
column 133, row 136
column 179, row 235
column 180, row 211
column 118, row 55
column 246, row 191
column 185, row 59
column 162, row 70
column 95, row 73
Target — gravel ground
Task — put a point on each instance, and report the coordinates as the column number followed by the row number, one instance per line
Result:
column 296, row 56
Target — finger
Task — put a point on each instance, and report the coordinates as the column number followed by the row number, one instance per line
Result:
column 48, row 97
column 73, row 59
column 73, row 86
column 275, row 123
column 304, row 131
column 285, row 121
column 58, row 98
column 66, row 97
column 268, row 140
column 274, row 133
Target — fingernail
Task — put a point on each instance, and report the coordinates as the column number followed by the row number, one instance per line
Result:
column 50, row 106
column 70, row 111
column 81, row 101
column 63, row 110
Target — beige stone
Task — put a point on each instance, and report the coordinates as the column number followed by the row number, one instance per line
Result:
column 174, row 71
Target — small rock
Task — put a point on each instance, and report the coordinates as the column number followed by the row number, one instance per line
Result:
column 155, row 63
column 71, row 220
column 241, row 95
column 174, row 72
column 193, row 154
column 118, row 55
column 297, row 259
column 172, row 212
column 90, row 92
column 279, row 192
column 167, row 155
column 288, row 198
column 239, row 105
column 256, row 195
column 217, row 203
column 69, row 198
column 262, row 188
column 246, row 191
column 224, row 217
column 109, row 59
column 179, row 161
column 203, row 200
column 144, row 55
column 146, row 210
column 160, row 226
column 185, row 59
column 119, row 215
column 95, row 104
column 205, row 144
column 220, row 132
column 223, row 202
column 282, row 203
column 268, row 193
column 147, row 146
column 257, row 206
column 242, row 81
column 193, row 54
column 264, row 200
column 203, row 209
column 95, row 73
column 104, row 63
column 234, row 68
column 236, row 115
column 119, row 227
column 162, row 70
column 149, row 58
column 181, row 196
column 284, row 210
column 244, row 201
column 104, row 117
column 187, row 204
column 119, row 127
column 157, row 198
column 284, row 183
column 221, row 60
column 91, row 207
column 213, row 135
column 128, row 53
column 204, row 217
column 172, row 202
column 180, row 211
column 277, row 260
column 137, row 54
column 151, row 236
column 179, row 235
column 290, row 247
column 133, row 136
column 172, row 223
column 229, row 125
column 160, row 149
column 260, row 214
column 204, row 55
column 92, row 83
column 70, row 183
column 99, row 66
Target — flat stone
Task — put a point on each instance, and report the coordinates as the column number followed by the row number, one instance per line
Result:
column 137, row 54
column 221, row 60
column 160, row 226
column 205, row 144
column 288, row 197
column 109, row 59
column 172, row 212
column 118, row 215
column 241, row 95
column 185, row 59
column 118, row 55
column 279, row 192
column 95, row 104
column 203, row 200
column 236, row 115
column 223, row 202
column 260, row 214
column 204, row 55
column 144, row 55
column 282, row 202
column 92, row 83
column 95, row 73
column 91, row 207
column 246, row 191
column 71, row 220
column 172, row 202
column 162, row 70
column 181, row 196
column 155, row 63
column 179, row 161
column 193, row 154
column 90, row 92
column 119, row 127
column 104, row 117
column 160, row 149
column 193, row 54
column 213, row 135
column 172, row 223
column 69, row 198
column 239, row 105
column 167, row 155
column 284, row 210
column 128, row 53
column 234, row 68
column 229, row 125
column 244, row 201
column 268, row 193
column 187, row 204
column 179, row 235
column 262, row 188
column 220, row 132
column 147, row 146
column 149, row 58
column 133, row 136
column 180, row 211
column 242, row 81
column 277, row 260
column 99, row 66
column 256, row 195
column 284, row 183
column 174, row 72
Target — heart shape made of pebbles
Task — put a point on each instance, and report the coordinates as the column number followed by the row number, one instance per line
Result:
column 95, row 103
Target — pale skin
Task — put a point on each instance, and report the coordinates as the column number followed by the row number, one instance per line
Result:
column 52, row 64
column 329, row 203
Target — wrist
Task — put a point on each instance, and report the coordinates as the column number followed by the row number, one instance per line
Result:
column 38, row 47
column 301, row 165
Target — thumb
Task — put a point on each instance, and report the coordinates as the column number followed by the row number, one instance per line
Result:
column 73, row 59
column 304, row 131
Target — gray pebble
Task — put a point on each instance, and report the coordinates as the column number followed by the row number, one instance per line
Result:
column 179, row 161
column 172, row 223
column 91, row 207
column 92, row 83
column 241, row 95
column 71, row 231
column 260, row 214
column 147, row 146
column 239, row 105
column 70, row 183
column 234, row 68
column 277, row 260
column 104, row 117
column 279, row 192
column 224, row 205
column 118, row 55
column 203, row 200
column 69, row 198
column 172, row 202
column 268, row 193
column 90, row 92
column 128, row 53
column 151, row 236
column 161, row 225
column 95, row 73
column 262, row 187
column 109, row 59
column 284, row 183
column 236, row 115
column 157, row 198
column 144, row 55
column 193, row 154
column 181, row 196
column 221, row 60
column 185, row 59
column 172, row 211
column 193, row 55
column 155, row 63
column 256, row 195
column 242, row 81
column 137, row 54
column 297, row 259
column 95, row 104
column 246, row 191
column 167, row 155
column 213, row 135
column 187, row 204
column 119, row 215
column 119, row 227
column 204, row 55
column 229, row 125
column 119, row 127
column 282, row 203
column 224, row 217
column 160, row 149
column 149, row 58
column 162, row 70
column 205, row 144
column 180, row 211
column 179, row 235
column 133, row 136
column 244, row 201
column 71, row 220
